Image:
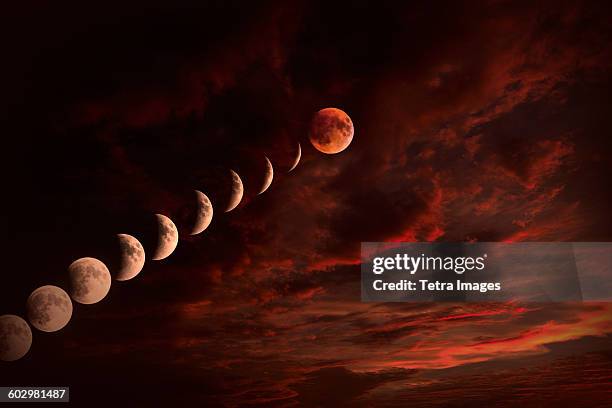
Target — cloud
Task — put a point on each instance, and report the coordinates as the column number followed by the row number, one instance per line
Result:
column 476, row 123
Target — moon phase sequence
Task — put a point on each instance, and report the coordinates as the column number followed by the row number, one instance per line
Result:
column 237, row 192
column 49, row 308
column 15, row 337
column 331, row 130
column 90, row 280
column 167, row 237
column 132, row 257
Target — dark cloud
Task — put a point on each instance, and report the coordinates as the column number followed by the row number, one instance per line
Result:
column 481, row 122
column 339, row 386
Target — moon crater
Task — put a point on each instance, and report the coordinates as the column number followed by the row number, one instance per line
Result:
column 132, row 257
column 204, row 213
column 49, row 308
column 15, row 337
column 167, row 237
column 331, row 130
column 90, row 280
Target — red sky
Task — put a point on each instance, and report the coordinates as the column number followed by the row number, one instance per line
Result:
column 473, row 122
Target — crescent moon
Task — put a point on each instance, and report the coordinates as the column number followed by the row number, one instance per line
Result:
column 49, row 308
column 204, row 213
column 90, row 280
column 297, row 159
column 237, row 191
column 268, row 177
column 167, row 237
column 132, row 257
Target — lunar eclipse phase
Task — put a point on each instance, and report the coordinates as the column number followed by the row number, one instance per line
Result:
column 297, row 158
column 167, row 237
column 237, row 190
column 268, row 176
column 49, row 308
column 331, row 130
column 90, row 280
column 15, row 338
column 204, row 213
column 131, row 257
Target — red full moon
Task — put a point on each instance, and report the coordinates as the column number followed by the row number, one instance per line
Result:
column 331, row 130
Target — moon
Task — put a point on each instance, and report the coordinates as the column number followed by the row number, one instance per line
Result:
column 237, row 191
column 297, row 159
column 132, row 257
column 49, row 308
column 268, row 177
column 15, row 337
column 167, row 237
column 204, row 213
column 90, row 280
column 331, row 130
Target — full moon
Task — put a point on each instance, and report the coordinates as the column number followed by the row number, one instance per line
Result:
column 237, row 191
column 132, row 257
column 167, row 237
column 204, row 213
column 49, row 308
column 331, row 130
column 15, row 337
column 90, row 280
column 268, row 176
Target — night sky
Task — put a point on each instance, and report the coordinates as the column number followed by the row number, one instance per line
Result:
column 474, row 121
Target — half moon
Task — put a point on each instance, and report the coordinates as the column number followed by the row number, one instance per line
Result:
column 15, row 337
column 268, row 177
column 132, row 256
column 297, row 159
column 49, row 308
column 167, row 237
column 204, row 213
column 237, row 191
column 90, row 280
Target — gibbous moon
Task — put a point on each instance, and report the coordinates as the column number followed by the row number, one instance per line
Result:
column 268, row 177
column 90, row 280
column 167, row 237
column 49, row 308
column 204, row 213
column 331, row 130
column 132, row 257
column 15, row 337
column 297, row 159
column 237, row 191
